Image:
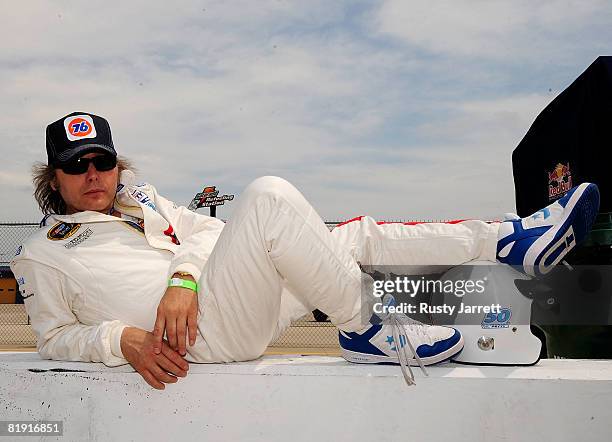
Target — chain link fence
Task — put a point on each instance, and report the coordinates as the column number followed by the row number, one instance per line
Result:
column 308, row 335
column 15, row 329
column 11, row 236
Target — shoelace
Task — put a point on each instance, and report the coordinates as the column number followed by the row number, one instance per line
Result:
column 402, row 350
column 399, row 322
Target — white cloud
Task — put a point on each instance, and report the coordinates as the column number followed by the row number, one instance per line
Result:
column 496, row 29
column 494, row 123
column 214, row 92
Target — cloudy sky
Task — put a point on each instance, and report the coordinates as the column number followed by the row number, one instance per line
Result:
column 397, row 109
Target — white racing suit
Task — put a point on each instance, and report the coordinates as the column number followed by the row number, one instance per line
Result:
column 87, row 276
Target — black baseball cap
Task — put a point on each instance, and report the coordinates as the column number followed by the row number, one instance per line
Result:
column 77, row 134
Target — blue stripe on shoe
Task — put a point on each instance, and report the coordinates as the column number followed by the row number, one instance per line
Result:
column 361, row 342
column 581, row 219
column 441, row 346
column 584, row 212
column 565, row 198
column 519, row 234
column 551, row 258
column 521, row 244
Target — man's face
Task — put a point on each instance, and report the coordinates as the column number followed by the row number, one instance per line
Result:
column 92, row 190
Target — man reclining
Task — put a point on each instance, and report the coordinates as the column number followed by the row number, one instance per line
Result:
column 116, row 267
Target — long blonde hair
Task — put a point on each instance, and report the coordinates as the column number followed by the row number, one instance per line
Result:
column 49, row 200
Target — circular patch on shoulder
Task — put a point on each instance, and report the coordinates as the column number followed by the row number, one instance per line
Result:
column 62, row 231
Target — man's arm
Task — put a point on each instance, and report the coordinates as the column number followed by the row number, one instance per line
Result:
column 177, row 314
column 60, row 335
column 178, row 308
column 197, row 234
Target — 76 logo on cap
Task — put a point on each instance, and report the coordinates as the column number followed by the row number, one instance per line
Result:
column 79, row 127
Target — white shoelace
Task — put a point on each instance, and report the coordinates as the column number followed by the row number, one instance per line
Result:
column 398, row 324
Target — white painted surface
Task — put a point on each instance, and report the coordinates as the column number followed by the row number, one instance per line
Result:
column 280, row 398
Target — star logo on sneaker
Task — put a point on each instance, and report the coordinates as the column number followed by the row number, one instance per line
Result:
column 542, row 213
column 390, row 340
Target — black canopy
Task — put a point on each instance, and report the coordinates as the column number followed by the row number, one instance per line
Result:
column 568, row 143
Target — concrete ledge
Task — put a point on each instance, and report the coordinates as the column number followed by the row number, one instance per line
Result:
column 313, row 397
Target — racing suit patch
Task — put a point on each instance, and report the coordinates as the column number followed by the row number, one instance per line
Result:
column 24, row 291
column 62, row 231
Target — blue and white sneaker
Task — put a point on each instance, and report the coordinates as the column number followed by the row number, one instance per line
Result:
column 419, row 344
column 537, row 243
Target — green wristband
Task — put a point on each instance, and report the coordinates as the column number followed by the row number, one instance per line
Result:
column 185, row 283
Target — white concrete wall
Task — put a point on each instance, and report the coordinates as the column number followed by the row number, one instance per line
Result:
column 315, row 398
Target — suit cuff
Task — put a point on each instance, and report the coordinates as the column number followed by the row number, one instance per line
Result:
column 115, row 341
column 186, row 267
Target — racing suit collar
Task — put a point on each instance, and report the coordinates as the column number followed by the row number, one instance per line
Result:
column 86, row 216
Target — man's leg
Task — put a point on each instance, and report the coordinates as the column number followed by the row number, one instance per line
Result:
column 418, row 244
column 534, row 244
column 420, row 248
column 275, row 237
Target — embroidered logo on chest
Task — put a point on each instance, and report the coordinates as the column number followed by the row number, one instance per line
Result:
column 79, row 239
column 62, row 230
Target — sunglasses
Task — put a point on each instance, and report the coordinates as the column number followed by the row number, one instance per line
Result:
column 77, row 166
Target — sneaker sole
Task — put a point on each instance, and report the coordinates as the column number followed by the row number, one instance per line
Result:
column 581, row 210
column 365, row 358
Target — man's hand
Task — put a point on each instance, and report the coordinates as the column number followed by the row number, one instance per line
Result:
column 156, row 369
column 177, row 315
